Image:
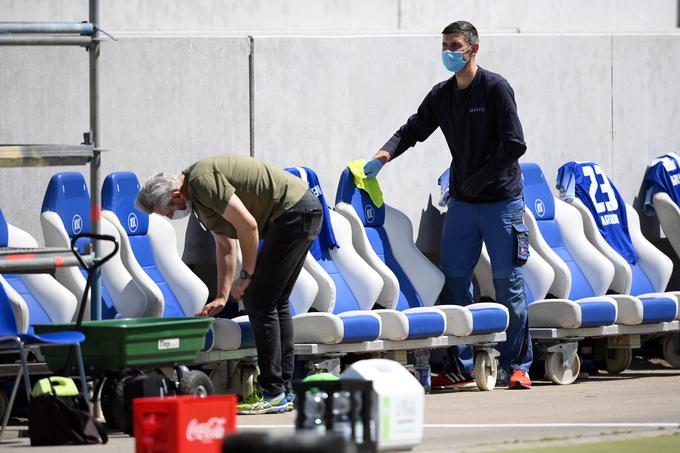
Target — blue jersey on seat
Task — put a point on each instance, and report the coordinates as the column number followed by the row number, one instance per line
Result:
column 587, row 181
column 663, row 175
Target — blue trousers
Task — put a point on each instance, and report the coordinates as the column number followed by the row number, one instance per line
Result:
column 466, row 225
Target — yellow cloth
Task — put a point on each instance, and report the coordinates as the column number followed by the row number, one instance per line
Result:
column 368, row 185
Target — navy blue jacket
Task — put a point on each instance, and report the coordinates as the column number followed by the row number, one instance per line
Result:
column 481, row 128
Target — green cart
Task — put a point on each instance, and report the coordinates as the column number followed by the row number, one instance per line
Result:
column 117, row 351
column 117, row 344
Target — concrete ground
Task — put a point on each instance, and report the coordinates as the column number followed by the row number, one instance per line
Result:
column 643, row 401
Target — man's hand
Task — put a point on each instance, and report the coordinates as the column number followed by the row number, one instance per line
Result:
column 475, row 183
column 238, row 289
column 213, row 308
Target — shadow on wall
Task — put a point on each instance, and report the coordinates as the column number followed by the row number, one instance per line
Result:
column 430, row 231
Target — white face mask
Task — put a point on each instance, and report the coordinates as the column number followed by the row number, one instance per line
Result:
column 181, row 213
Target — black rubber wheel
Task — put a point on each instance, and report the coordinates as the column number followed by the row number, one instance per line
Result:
column 4, row 403
column 671, row 350
column 106, row 400
column 121, row 411
column 196, row 383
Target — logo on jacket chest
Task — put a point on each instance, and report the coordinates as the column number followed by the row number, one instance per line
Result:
column 476, row 109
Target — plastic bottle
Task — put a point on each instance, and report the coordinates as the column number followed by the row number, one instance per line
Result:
column 342, row 423
column 422, row 357
column 315, row 405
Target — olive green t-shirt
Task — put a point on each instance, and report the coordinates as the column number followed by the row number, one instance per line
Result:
column 265, row 191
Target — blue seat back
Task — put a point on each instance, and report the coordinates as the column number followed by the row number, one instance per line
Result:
column 373, row 219
column 540, row 201
column 118, row 196
column 68, row 197
column 345, row 300
column 37, row 314
column 588, row 182
column 8, row 323
column 662, row 175
column 4, row 231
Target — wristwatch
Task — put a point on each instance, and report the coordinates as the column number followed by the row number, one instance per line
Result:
column 244, row 275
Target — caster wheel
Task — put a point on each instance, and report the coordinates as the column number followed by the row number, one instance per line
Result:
column 486, row 370
column 122, row 413
column 618, row 360
column 4, row 404
column 558, row 372
column 196, row 383
column 671, row 350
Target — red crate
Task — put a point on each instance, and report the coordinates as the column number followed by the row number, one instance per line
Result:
column 183, row 424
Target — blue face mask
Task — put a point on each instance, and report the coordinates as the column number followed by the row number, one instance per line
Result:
column 454, row 61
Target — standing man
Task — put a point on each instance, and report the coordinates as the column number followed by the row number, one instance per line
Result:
column 238, row 197
column 476, row 111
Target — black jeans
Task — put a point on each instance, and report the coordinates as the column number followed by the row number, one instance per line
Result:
column 279, row 262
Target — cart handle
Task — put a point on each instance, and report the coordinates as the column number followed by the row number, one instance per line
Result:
column 95, row 263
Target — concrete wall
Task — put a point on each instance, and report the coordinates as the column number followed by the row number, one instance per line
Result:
column 347, row 96
column 646, row 105
column 542, row 15
column 322, row 101
column 164, row 104
column 356, row 15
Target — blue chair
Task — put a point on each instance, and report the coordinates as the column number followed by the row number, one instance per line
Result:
column 148, row 248
column 65, row 212
column 384, row 237
column 12, row 339
column 661, row 187
column 37, row 298
column 644, row 276
column 582, row 275
column 346, row 286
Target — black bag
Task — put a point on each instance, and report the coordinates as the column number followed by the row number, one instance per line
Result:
column 53, row 421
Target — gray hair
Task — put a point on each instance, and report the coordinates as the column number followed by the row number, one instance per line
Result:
column 156, row 193
column 464, row 28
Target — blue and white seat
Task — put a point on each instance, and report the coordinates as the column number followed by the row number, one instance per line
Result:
column 35, row 298
column 581, row 274
column 565, row 280
column 148, row 248
column 347, row 286
column 383, row 236
column 65, row 213
column 661, row 188
column 640, row 269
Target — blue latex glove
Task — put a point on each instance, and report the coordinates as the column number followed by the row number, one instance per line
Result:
column 372, row 168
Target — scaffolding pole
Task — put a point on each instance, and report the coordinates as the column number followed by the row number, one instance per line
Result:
column 52, row 34
column 95, row 164
column 46, row 28
column 10, row 40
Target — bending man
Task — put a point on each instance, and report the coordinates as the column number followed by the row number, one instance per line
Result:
column 238, row 197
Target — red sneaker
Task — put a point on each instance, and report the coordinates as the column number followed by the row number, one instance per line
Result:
column 452, row 380
column 519, row 380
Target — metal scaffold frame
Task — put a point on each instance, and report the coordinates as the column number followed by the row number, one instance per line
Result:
column 87, row 35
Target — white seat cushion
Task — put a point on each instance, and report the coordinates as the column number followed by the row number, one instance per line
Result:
column 227, row 335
